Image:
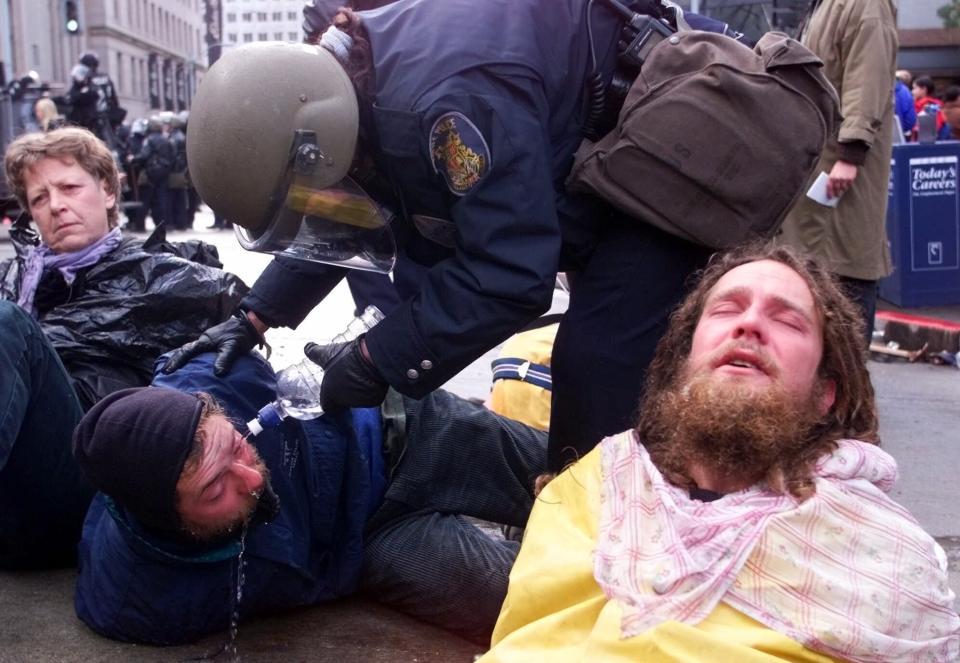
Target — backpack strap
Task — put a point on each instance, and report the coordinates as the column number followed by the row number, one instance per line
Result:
column 778, row 50
column 514, row 368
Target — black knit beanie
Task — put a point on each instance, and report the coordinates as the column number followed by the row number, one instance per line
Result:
column 132, row 446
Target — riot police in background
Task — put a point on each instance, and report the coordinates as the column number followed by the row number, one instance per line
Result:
column 177, row 182
column 24, row 93
column 193, row 198
column 93, row 100
column 156, row 159
column 136, row 214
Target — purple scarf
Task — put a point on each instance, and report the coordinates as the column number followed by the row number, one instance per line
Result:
column 41, row 258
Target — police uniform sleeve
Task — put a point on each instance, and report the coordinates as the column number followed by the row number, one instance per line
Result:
column 146, row 149
column 288, row 289
column 492, row 155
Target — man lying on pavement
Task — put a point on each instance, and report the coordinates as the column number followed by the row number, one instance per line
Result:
column 746, row 518
column 319, row 508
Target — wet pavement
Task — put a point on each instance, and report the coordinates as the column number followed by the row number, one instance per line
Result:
column 919, row 414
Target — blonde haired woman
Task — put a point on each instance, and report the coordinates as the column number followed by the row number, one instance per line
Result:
column 47, row 114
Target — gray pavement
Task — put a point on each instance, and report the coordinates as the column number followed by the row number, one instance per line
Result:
column 38, row 625
column 919, row 416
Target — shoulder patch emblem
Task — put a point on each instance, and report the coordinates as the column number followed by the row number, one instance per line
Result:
column 459, row 152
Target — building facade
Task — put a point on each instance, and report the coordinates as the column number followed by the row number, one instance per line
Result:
column 246, row 21
column 154, row 50
column 926, row 47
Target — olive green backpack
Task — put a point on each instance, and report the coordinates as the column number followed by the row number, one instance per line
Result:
column 715, row 141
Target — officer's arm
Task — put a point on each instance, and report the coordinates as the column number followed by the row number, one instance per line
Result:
column 80, row 94
column 146, row 149
column 507, row 246
column 113, row 101
column 288, row 289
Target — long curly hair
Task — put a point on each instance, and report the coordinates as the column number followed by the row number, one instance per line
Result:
column 360, row 65
column 854, row 412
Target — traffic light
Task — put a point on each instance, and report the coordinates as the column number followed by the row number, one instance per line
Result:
column 72, row 17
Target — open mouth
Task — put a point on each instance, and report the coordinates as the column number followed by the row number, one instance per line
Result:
column 742, row 360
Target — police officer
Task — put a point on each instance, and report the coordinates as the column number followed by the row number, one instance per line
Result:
column 177, row 181
column 193, row 198
column 93, row 99
column 460, row 118
column 156, row 159
column 139, row 190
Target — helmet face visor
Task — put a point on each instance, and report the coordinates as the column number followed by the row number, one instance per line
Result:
column 338, row 225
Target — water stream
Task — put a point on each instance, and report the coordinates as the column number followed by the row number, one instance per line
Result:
column 229, row 648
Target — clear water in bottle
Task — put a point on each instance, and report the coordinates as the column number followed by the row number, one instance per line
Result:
column 298, row 388
column 359, row 325
column 298, row 385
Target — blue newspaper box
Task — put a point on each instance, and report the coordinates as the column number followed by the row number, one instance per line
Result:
column 923, row 225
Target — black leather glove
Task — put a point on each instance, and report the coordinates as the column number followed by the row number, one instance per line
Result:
column 349, row 379
column 230, row 339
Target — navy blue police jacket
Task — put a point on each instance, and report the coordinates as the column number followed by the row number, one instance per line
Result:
column 136, row 586
column 478, row 110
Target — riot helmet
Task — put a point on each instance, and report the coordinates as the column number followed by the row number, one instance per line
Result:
column 273, row 130
column 90, row 59
column 80, row 73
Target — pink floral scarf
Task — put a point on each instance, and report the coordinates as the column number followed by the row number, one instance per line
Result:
column 848, row 572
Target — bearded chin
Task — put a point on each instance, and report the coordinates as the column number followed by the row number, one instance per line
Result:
column 736, row 432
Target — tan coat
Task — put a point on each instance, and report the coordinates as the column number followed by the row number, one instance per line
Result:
column 857, row 41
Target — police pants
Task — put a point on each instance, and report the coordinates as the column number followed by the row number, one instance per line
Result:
column 156, row 199
column 423, row 555
column 619, row 305
column 43, row 494
column 177, row 208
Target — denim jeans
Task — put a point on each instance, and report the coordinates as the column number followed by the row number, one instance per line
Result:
column 43, row 495
column 423, row 556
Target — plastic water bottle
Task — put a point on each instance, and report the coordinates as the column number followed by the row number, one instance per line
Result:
column 298, row 385
column 927, row 125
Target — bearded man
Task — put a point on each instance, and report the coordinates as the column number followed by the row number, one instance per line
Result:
column 745, row 518
column 369, row 500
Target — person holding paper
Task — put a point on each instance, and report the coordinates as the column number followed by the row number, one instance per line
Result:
column 857, row 41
